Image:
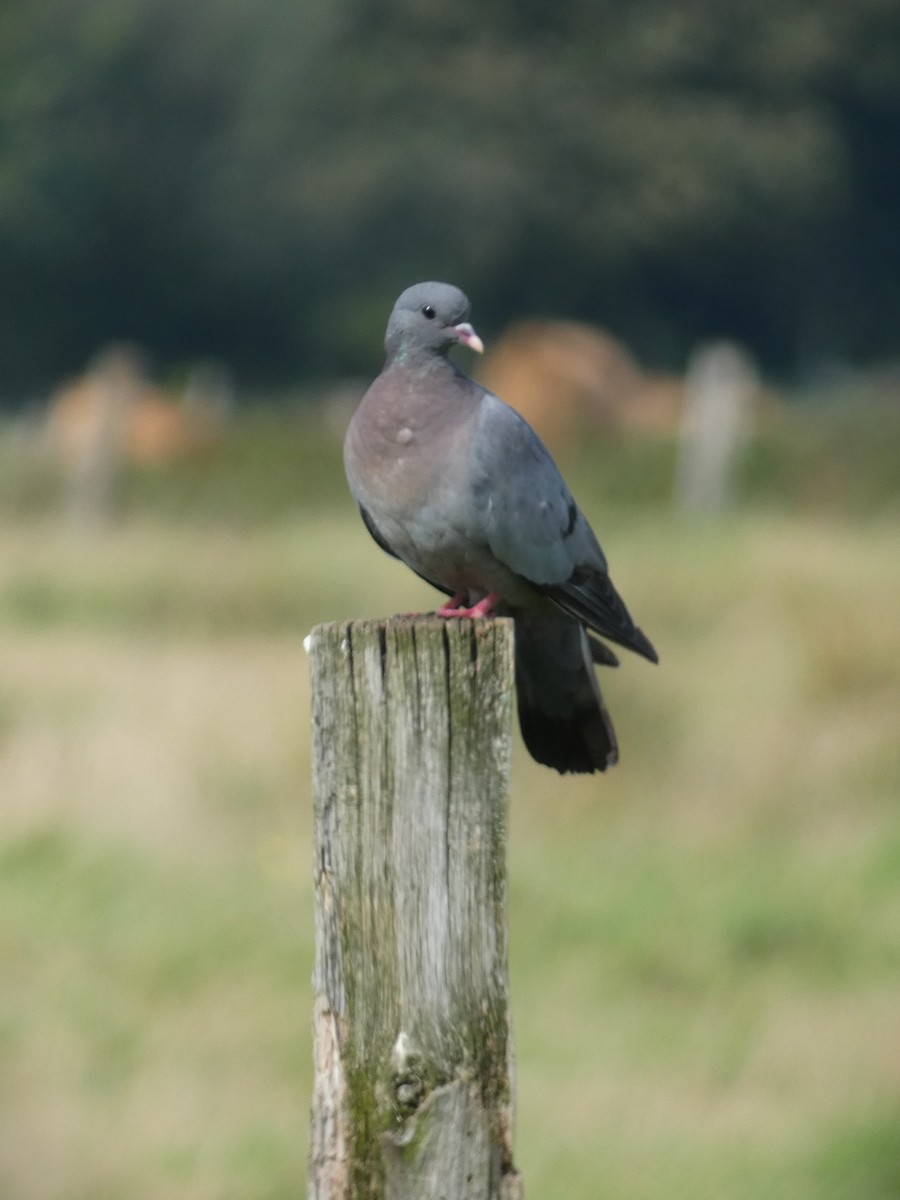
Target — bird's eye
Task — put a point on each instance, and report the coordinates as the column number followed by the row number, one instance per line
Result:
column 428, row 311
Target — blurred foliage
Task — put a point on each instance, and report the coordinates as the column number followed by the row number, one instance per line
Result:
column 270, row 464
column 257, row 180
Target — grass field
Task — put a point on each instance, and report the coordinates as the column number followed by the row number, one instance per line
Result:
column 705, row 949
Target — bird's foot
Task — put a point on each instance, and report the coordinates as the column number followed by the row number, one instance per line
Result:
column 484, row 607
column 451, row 608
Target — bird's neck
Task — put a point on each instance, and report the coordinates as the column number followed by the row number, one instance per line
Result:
column 418, row 358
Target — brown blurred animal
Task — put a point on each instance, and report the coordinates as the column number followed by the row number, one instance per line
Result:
column 567, row 378
column 113, row 410
column 113, row 416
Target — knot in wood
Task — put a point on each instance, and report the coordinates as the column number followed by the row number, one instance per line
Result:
column 408, row 1078
column 408, row 1091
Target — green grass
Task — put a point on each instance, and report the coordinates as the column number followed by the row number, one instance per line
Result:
column 136, row 989
column 705, row 944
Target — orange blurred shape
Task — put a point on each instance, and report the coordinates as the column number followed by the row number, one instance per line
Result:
column 567, row 378
column 114, row 403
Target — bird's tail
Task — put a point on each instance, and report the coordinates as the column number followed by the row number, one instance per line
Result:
column 563, row 719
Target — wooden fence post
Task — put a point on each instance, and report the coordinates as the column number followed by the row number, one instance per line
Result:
column 411, row 734
column 721, row 389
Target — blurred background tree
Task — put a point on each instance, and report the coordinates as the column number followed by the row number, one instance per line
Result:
column 257, row 180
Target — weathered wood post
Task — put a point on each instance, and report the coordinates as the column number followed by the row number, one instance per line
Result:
column 411, row 735
column 720, row 388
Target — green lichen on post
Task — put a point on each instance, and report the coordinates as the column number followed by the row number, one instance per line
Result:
column 367, row 1164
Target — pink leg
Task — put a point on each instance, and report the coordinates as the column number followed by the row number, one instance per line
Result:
column 451, row 608
column 484, row 608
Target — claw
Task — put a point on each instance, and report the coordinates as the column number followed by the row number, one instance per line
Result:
column 484, row 607
column 451, row 608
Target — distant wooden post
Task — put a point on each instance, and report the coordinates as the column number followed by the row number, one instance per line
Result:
column 721, row 386
column 411, row 738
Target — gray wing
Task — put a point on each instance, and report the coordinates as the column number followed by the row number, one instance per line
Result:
column 534, row 527
column 530, row 518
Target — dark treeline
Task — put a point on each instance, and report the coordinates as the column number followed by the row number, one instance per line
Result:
column 256, row 179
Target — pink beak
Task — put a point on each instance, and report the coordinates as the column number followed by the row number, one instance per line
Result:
column 467, row 335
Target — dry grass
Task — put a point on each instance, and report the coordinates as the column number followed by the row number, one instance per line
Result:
column 705, row 944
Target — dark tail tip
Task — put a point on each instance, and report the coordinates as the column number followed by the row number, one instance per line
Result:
column 580, row 744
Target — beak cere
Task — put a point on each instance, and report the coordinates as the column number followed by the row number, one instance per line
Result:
column 467, row 335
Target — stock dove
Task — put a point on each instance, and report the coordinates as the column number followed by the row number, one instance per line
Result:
column 457, row 485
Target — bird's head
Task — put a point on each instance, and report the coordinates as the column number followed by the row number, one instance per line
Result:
column 428, row 319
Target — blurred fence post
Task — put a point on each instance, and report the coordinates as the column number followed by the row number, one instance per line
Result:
column 411, row 737
column 721, row 384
